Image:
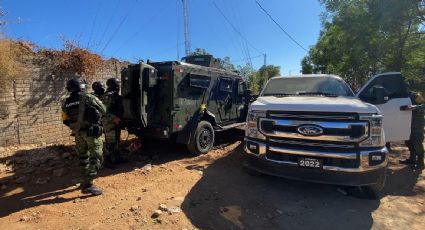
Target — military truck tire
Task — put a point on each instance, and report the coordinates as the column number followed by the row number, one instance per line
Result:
column 203, row 139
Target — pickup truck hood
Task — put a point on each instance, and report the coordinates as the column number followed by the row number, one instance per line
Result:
column 313, row 104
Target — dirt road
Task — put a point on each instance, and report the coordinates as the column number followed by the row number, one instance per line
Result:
column 37, row 191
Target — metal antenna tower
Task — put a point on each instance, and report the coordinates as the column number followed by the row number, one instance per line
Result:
column 186, row 27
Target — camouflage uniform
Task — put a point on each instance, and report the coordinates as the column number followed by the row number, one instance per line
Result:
column 75, row 115
column 415, row 143
column 115, row 110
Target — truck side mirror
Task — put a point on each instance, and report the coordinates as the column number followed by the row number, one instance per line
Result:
column 380, row 94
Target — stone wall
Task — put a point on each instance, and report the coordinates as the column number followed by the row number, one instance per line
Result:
column 30, row 106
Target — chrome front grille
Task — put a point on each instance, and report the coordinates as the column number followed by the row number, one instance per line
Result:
column 335, row 128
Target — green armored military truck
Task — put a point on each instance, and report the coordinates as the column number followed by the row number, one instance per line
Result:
column 185, row 102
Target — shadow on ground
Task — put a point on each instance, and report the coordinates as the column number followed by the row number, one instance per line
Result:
column 228, row 198
column 40, row 176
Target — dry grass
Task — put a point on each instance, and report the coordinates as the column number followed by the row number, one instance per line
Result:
column 72, row 59
column 14, row 56
column 17, row 58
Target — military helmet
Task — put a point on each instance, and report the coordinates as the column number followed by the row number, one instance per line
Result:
column 97, row 86
column 75, row 85
column 113, row 84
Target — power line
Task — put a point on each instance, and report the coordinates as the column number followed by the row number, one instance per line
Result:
column 143, row 26
column 235, row 29
column 245, row 59
column 118, row 28
column 94, row 23
column 281, row 28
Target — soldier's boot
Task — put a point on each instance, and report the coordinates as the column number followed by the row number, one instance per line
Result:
column 90, row 188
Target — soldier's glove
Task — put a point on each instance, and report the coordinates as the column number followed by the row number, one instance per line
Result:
column 95, row 131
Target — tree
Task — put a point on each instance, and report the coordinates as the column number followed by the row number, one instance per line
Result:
column 258, row 79
column 226, row 64
column 306, row 65
column 199, row 51
column 362, row 38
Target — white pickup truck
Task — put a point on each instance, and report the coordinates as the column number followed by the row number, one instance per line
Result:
column 315, row 128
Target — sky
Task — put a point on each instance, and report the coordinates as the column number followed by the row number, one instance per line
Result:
column 153, row 29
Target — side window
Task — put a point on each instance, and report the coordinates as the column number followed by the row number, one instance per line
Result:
column 241, row 87
column 199, row 81
column 226, row 85
column 393, row 84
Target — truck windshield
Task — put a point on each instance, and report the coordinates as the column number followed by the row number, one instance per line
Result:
column 293, row 86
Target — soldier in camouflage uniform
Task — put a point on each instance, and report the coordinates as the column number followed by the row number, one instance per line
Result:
column 111, row 122
column 98, row 89
column 415, row 143
column 82, row 113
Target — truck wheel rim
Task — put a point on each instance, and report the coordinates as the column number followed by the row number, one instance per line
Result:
column 205, row 138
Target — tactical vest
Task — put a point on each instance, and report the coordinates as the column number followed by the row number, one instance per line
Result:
column 71, row 107
column 113, row 103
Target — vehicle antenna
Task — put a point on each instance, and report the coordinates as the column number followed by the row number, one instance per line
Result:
column 186, row 27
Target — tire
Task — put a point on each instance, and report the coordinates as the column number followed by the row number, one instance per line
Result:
column 203, row 139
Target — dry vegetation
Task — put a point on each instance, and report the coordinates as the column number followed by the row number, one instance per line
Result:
column 17, row 58
column 14, row 55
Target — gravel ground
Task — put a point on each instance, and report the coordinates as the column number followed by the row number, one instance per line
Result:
column 165, row 188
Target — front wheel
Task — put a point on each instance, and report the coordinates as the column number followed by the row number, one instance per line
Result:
column 203, row 139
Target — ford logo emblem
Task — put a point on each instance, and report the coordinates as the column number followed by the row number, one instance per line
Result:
column 310, row 130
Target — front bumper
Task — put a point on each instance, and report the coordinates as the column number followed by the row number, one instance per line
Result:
column 364, row 174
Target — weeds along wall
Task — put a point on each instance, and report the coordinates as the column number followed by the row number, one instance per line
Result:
column 30, row 105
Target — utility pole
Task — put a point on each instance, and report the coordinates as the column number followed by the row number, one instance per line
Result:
column 186, row 27
column 265, row 59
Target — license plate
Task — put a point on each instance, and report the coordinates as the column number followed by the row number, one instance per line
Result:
column 310, row 163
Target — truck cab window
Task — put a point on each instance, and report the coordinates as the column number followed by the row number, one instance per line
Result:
column 393, row 84
column 226, row 85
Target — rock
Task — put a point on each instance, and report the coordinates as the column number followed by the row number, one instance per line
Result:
column 139, row 198
column 200, row 173
column 163, row 207
column 147, row 168
column 24, row 219
column 144, row 190
column 22, row 179
column 59, row 172
column 173, row 210
column 134, row 208
column 156, row 214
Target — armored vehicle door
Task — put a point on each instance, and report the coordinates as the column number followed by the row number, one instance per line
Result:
column 389, row 93
column 240, row 106
column 223, row 96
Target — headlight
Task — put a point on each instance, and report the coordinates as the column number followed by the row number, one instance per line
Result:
column 252, row 124
column 376, row 131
